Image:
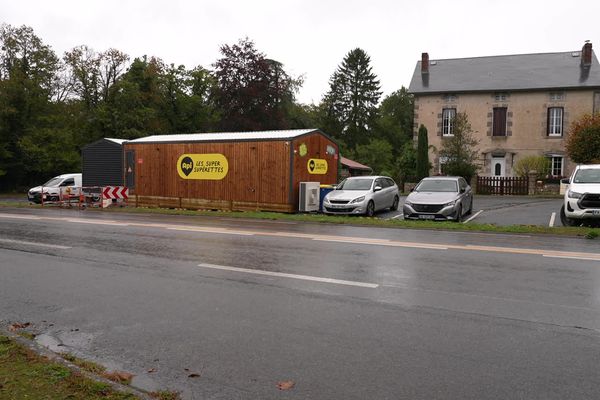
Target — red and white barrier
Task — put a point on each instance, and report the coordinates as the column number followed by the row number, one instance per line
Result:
column 112, row 193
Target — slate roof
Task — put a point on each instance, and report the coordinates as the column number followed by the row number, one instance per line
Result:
column 506, row 73
column 225, row 136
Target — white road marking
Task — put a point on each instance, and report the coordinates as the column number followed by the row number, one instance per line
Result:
column 94, row 222
column 209, row 230
column 473, row 216
column 17, row 216
column 291, row 276
column 552, row 218
column 381, row 243
column 572, row 257
column 399, row 216
column 52, row 246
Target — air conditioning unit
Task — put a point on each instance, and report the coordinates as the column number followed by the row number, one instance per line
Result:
column 309, row 196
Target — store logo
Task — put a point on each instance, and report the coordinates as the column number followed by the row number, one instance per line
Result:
column 317, row 166
column 187, row 165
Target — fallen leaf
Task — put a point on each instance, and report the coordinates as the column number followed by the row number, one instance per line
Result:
column 119, row 376
column 151, row 370
column 194, row 375
column 16, row 326
column 186, row 369
column 285, row 385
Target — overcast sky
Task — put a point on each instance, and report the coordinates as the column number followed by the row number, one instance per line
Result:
column 311, row 37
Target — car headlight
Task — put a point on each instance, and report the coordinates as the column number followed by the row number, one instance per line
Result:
column 573, row 195
column 450, row 204
column 358, row 200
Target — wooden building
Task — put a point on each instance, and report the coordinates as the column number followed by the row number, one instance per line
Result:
column 230, row 171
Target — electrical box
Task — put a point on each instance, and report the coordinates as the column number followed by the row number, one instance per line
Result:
column 309, row 196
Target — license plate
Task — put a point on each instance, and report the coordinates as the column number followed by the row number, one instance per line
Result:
column 596, row 212
column 426, row 216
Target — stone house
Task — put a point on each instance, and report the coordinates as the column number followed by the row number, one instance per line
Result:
column 518, row 105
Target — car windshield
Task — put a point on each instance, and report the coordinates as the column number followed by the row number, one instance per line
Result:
column 587, row 176
column 437, row 185
column 53, row 182
column 355, row 184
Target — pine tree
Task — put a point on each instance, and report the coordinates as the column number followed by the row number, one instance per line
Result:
column 422, row 153
column 352, row 99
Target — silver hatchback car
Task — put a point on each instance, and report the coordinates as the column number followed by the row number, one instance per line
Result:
column 439, row 198
column 362, row 195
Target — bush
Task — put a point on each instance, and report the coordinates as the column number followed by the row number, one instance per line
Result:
column 525, row 165
column 583, row 143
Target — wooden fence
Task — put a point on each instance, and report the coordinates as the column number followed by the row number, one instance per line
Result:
column 502, row 185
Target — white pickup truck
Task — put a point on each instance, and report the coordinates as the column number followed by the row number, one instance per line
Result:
column 52, row 188
column 582, row 197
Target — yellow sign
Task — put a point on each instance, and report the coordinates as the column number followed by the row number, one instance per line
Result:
column 317, row 166
column 202, row 166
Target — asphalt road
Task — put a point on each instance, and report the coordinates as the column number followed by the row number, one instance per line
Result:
column 344, row 312
column 506, row 210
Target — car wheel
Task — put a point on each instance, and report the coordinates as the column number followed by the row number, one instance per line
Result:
column 370, row 209
column 566, row 221
column 470, row 210
column 459, row 214
column 394, row 206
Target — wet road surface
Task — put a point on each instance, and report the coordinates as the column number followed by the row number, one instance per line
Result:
column 344, row 312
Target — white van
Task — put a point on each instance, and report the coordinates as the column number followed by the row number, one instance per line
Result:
column 53, row 186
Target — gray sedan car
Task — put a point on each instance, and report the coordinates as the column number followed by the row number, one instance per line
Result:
column 362, row 195
column 439, row 198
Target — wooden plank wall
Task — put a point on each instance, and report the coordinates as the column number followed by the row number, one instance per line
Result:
column 258, row 176
column 317, row 148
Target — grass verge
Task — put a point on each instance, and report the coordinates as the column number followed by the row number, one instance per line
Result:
column 586, row 232
column 27, row 375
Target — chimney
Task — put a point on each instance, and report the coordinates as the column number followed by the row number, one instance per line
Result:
column 586, row 54
column 425, row 62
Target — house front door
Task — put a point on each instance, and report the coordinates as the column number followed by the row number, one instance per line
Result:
column 498, row 166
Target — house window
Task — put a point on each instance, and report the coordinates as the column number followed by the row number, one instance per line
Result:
column 448, row 115
column 450, row 98
column 501, row 96
column 555, row 121
column 556, row 165
column 499, row 121
column 557, row 96
column 443, row 165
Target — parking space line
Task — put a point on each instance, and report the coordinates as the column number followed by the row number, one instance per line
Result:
column 572, row 257
column 399, row 216
column 473, row 216
column 291, row 276
column 552, row 218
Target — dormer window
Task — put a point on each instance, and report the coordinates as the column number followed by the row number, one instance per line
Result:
column 557, row 96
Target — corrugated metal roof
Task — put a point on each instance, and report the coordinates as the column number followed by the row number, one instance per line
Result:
column 225, row 136
column 117, row 141
column 506, row 73
column 354, row 164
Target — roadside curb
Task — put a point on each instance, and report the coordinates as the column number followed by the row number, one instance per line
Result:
column 57, row 358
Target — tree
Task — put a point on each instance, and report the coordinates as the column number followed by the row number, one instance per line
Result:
column 395, row 123
column 252, row 92
column 525, row 165
column 28, row 70
column 407, row 162
column 422, row 159
column 583, row 142
column 377, row 154
column 352, row 99
column 460, row 149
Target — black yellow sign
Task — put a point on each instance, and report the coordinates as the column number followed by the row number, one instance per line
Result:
column 317, row 166
column 202, row 166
